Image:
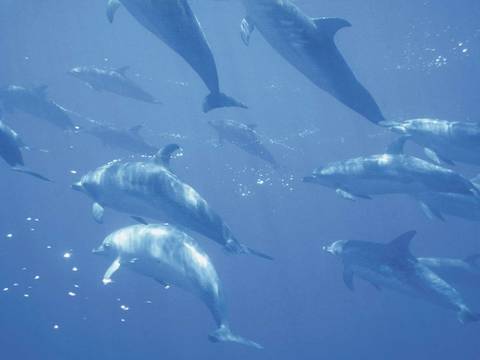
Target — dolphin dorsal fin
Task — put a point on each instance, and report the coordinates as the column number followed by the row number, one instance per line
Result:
column 330, row 26
column 112, row 8
column 164, row 156
column 401, row 244
column 136, row 129
column 41, row 90
column 396, row 147
column 122, row 70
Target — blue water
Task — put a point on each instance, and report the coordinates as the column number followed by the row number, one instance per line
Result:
column 416, row 58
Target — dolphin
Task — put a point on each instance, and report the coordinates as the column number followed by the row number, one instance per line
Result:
column 150, row 189
column 11, row 151
column 36, row 103
column 174, row 22
column 392, row 266
column 129, row 140
column 308, row 45
column 171, row 257
column 114, row 81
column 390, row 173
column 443, row 141
column 244, row 136
column 462, row 273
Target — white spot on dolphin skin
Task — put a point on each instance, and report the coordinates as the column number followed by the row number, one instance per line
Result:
column 56, row 327
column 29, row 218
column 67, row 255
column 124, row 307
column 9, row 235
column 26, row 296
column 74, row 269
column 36, row 277
column 71, row 294
column 73, row 172
column 5, row 289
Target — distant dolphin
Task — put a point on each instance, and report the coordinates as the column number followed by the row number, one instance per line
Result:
column 390, row 173
column 114, row 81
column 35, row 102
column 447, row 141
column 173, row 22
column 308, row 45
column 463, row 273
column 244, row 136
column 129, row 140
column 171, row 257
column 392, row 266
column 11, row 151
column 149, row 189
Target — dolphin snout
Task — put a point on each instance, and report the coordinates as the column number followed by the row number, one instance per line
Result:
column 77, row 187
column 98, row 250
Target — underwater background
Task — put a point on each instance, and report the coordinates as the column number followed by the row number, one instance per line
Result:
column 417, row 58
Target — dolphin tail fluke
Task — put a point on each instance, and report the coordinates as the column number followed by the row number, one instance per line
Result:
column 31, row 173
column 224, row 334
column 219, row 100
column 466, row 316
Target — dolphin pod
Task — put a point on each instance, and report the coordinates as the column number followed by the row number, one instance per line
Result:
column 114, row 81
column 163, row 19
column 308, row 45
column 149, row 189
column 171, row 257
column 392, row 266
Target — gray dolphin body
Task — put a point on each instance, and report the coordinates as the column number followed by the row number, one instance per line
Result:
column 129, row 139
column 461, row 273
column 390, row 173
column 308, row 45
column 11, row 146
column 114, row 81
column 171, row 257
column 392, row 266
column 174, row 22
column 245, row 137
column 447, row 141
column 35, row 102
column 149, row 189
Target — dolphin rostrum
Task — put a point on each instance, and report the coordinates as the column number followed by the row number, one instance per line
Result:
column 392, row 266
column 171, row 257
column 174, row 22
column 308, row 45
column 149, row 189
column 114, row 81
column 36, row 103
column 244, row 136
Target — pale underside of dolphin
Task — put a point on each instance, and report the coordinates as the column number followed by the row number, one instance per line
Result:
column 308, row 45
column 174, row 22
column 171, row 257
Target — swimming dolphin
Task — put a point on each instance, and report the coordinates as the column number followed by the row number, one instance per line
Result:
column 390, row 173
column 392, row 266
column 244, row 136
column 35, row 102
column 114, row 81
column 447, row 141
column 11, row 151
column 149, row 189
column 308, row 45
column 464, row 273
column 174, row 22
column 171, row 257
column 129, row 140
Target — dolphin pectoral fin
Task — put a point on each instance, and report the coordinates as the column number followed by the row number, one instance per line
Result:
column 217, row 100
column 112, row 8
column 432, row 155
column 27, row 171
column 247, row 27
column 165, row 154
column 348, row 279
column 139, row 219
column 431, row 212
column 350, row 196
column 107, row 277
column 330, row 26
column 97, row 212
